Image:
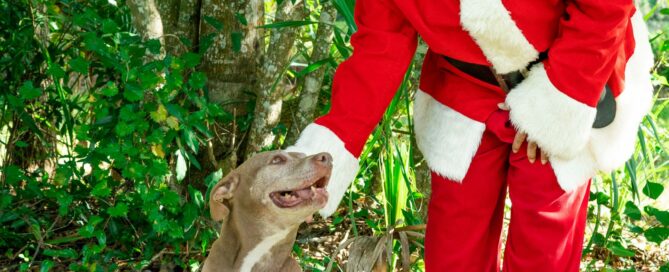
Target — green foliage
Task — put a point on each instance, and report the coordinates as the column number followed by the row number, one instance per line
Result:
column 99, row 138
column 118, row 129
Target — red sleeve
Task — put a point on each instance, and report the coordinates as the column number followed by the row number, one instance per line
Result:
column 583, row 57
column 364, row 84
column 555, row 104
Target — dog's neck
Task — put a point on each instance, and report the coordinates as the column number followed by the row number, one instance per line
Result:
column 247, row 244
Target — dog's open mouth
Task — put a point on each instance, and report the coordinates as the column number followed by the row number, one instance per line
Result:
column 313, row 191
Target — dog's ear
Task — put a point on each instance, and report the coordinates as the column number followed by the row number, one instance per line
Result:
column 222, row 192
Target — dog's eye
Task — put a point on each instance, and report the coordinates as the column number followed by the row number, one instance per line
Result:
column 278, row 159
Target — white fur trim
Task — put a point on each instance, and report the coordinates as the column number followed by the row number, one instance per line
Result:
column 609, row 147
column 316, row 138
column 574, row 172
column 447, row 139
column 559, row 124
column 261, row 249
column 498, row 36
column 614, row 144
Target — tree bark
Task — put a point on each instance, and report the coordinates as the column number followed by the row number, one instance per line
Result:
column 147, row 21
column 269, row 93
column 230, row 67
column 313, row 82
column 231, row 72
column 188, row 21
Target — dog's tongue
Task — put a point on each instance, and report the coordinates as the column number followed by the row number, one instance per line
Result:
column 306, row 193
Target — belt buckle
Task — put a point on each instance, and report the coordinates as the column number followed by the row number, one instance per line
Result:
column 501, row 81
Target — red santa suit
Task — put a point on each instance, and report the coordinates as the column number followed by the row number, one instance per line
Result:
column 466, row 140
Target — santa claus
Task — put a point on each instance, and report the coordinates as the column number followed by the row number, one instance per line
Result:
column 533, row 96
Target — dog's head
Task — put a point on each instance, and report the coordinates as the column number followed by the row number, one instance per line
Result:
column 284, row 187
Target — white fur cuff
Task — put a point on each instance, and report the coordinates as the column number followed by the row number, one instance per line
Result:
column 315, row 139
column 447, row 138
column 560, row 125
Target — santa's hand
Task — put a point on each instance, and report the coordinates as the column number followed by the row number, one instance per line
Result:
column 520, row 138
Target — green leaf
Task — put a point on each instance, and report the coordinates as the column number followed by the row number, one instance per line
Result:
column 665, row 267
column 190, row 214
column 93, row 42
column 134, row 170
column 196, row 195
column 46, row 265
column 154, row 46
column 28, row 91
column 632, row 211
column 79, row 65
column 5, row 200
column 158, row 168
column 601, row 198
column 109, row 26
column 197, row 80
column 191, row 59
column 121, row 209
column 347, row 11
column 13, row 174
column 56, row 71
column 214, row 23
column 150, row 79
column 190, row 139
column 653, row 190
column 241, row 18
column 211, row 180
column 236, row 38
column 181, row 166
column 313, row 67
column 123, row 129
column 21, row 144
column 657, row 234
column 109, row 89
column 67, row 253
column 101, row 190
column 133, row 92
column 128, row 113
column 617, row 249
column 662, row 216
column 64, row 201
column 288, row 24
column 170, row 199
column 192, row 160
column 36, row 231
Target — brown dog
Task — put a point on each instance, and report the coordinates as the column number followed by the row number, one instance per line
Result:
column 262, row 204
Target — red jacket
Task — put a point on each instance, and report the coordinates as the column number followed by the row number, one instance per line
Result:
column 590, row 43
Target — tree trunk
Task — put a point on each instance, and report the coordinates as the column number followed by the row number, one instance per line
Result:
column 147, row 20
column 269, row 92
column 313, row 82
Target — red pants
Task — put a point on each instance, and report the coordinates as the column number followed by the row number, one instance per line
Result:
column 465, row 219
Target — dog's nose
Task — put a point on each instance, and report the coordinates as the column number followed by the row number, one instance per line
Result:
column 323, row 158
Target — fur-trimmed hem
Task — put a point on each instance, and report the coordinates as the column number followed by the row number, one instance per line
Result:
column 615, row 143
column 447, row 139
column 574, row 172
column 560, row 125
column 609, row 147
column 498, row 36
column 316, row 138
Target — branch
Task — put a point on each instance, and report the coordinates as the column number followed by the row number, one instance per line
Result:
column 314, row 80
column 269, row 94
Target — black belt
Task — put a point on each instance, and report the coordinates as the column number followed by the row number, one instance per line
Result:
column 606, row 107
column 487, row 73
